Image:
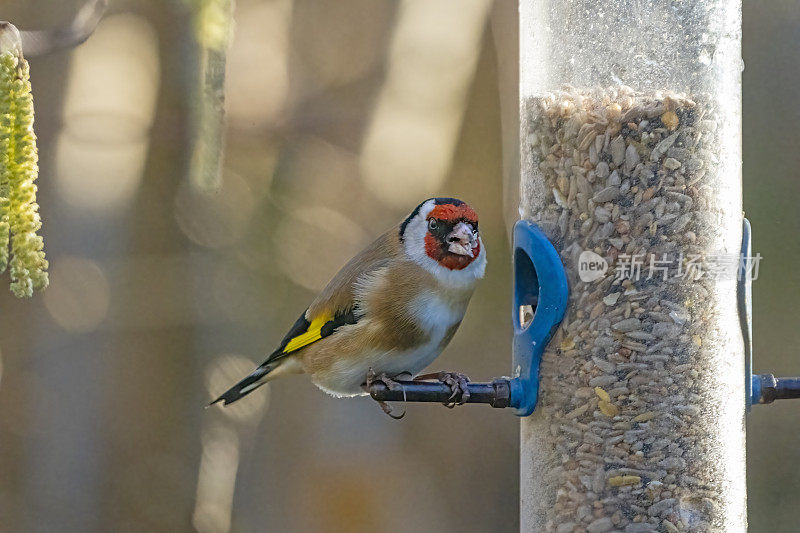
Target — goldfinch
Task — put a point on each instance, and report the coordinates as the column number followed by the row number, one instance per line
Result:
column 389, row 312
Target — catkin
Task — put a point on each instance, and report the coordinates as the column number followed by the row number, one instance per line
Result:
column 19, row 212
column 7, row 73
column 213, row 24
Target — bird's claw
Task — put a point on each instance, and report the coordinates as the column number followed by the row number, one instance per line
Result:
column 388, row 410
column 384, row 378
column 390, row 383
column 458, row 384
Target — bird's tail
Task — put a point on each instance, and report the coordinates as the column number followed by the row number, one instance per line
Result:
column 248, row 384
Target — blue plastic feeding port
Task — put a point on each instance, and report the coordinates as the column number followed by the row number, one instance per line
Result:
column 538, row 306
column 744, row 298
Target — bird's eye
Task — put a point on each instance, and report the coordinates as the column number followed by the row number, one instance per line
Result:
column 432, row 224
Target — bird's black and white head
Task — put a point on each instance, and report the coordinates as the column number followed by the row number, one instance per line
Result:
column 442, row 236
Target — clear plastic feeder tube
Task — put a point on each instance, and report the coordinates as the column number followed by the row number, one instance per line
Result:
column 631, row 163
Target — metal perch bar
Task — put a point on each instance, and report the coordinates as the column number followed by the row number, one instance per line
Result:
column 497, row 393
column 768, row 388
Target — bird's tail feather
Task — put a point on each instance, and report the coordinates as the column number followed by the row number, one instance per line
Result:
column 247, row 385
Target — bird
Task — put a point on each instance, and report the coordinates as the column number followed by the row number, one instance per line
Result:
column 389, row 312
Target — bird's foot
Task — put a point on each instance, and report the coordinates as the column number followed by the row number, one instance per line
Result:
column 389, row 411
column 391, row 384
column 457, row 382
column 384, row 378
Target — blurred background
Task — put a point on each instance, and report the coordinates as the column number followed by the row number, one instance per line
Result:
column 342, row 116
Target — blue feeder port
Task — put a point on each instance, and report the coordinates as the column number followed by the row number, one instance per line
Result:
column 539, row 304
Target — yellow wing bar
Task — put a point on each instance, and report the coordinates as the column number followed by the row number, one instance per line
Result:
column 311, row 335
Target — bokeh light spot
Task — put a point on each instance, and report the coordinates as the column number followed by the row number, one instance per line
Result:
column 78, row 297
column 109, row 108
column 410, row 141
column 257, row 77
column 216, row 480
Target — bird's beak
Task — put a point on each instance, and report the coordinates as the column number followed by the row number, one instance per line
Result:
column 461, row 240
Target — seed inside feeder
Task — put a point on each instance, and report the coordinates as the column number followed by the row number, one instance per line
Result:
column 631, row 175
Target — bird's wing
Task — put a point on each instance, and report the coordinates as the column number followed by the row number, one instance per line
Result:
column 336, row 304
column 308, row 330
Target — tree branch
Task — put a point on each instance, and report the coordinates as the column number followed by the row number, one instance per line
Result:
column 42, row 42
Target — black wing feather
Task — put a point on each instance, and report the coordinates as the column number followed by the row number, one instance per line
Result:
column 299, row 327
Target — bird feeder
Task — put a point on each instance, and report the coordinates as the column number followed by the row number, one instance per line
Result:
column 631, row 164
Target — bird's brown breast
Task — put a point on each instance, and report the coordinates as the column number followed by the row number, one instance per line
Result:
column 389, row 323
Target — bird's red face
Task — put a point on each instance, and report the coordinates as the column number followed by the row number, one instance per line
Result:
column 452, row 238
